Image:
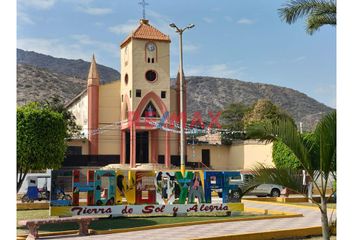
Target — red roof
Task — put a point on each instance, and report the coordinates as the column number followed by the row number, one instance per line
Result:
column 148, row 32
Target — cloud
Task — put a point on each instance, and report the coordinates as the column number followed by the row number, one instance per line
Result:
column 82, row 1
column 189, row 47
column 216, row 70
column 245, row 21
column 207, row 20
column 99, row 24
column 84, row 39
column 125, row 28
column 96, row 11
column 299, row 59
column 24, row 18
column 74, row 47
column 326, row 89
column 228, row 18
column 270, row 62
column 38, row 4
column 327, row 93
column 161, row 22
column 54, row 47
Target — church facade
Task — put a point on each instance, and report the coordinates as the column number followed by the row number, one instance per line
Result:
column 121, row 117
column 131, row 121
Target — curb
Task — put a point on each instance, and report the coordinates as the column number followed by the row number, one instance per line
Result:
column 282, row 199
column 282, row 204
column 278, row 234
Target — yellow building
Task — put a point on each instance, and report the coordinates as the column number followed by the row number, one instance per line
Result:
column 125, row 121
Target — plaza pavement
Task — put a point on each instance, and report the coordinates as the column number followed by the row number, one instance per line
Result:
column 311, row 219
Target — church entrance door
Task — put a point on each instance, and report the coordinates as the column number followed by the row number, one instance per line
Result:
column 142, row 147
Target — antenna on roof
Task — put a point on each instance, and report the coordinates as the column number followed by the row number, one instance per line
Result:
column 143, row 4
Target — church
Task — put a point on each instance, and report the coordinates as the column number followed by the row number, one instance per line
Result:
column 134, row 121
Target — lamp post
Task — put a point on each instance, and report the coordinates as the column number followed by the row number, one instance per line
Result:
column 180, row 32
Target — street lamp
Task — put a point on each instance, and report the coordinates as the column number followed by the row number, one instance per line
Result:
column 180, row 32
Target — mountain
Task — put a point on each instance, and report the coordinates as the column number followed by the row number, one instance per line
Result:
column 37, row 84
column 75, row 68
column 40, row 76
column 206, row 94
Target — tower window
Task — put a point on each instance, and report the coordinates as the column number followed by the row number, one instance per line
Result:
column 130, row 93
column 138, row 93
column 122, row 97
column 151, row 75
column 163, row 94
column 126, row 78
column 150, row 52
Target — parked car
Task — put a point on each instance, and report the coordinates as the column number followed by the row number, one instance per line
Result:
column 263, row 190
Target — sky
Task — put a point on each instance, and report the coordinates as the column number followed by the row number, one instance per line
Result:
column 237, row 39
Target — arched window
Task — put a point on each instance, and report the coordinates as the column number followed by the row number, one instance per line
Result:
column 150, row 111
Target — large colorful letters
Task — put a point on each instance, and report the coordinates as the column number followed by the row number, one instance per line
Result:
column 229, row 187
column 145, row 187
column 126, row 184
column 83, row 187
column 136, row 187
column 212, row 180
column 61, row 182
column 104, row 195
column 166, row 187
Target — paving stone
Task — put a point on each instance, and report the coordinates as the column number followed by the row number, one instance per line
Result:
column 311, row 219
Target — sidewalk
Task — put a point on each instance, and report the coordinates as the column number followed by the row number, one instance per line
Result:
column 311, row 219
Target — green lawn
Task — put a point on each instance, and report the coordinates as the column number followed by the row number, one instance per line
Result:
column 116, row 223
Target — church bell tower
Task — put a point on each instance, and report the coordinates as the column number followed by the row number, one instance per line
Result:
column 145, row 93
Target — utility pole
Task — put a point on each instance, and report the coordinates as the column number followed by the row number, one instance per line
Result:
column 180, row 33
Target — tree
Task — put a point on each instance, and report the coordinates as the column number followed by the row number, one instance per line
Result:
column 263, row 111
column 41, row 136
column 283, row 157
column 316, row 153
column 232, row 116
column 55, row 104
column 237, row 116
column 232, row 119
column 318, row 12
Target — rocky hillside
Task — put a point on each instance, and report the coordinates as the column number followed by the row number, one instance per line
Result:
column 69, row 67
column 37, row 84
column 40, row 77
column 213, row 94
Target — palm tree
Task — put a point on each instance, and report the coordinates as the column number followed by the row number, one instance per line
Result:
column 318, row 12
column 316, row 152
